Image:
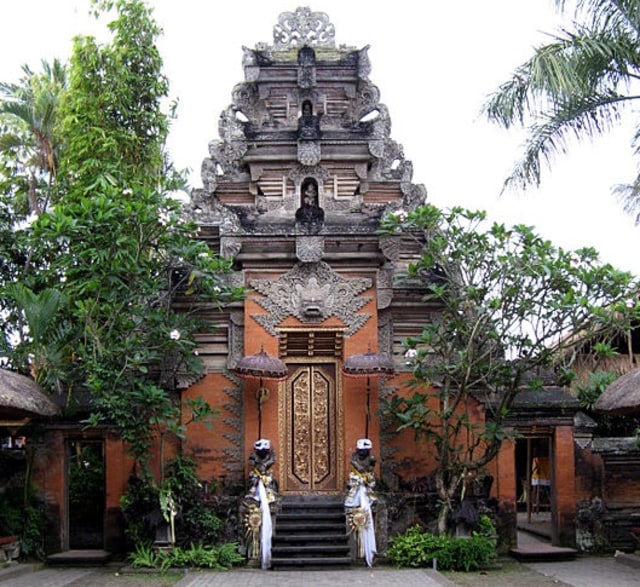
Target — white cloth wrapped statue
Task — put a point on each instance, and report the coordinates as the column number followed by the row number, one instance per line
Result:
column 262, row 492
column 360, row 499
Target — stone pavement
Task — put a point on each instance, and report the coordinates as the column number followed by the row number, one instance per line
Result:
column 593, row 571
column 582, row 572
column 376, row 577
column 100, row 577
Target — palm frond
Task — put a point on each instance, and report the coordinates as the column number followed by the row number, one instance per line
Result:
column 581, row 117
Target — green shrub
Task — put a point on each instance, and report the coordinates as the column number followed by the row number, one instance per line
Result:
column 417, row 548
column 144, row 556
column 198, row 520
column 220, row 558
column 23, row 519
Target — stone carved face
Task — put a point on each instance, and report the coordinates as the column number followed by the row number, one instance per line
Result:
column 312, row 300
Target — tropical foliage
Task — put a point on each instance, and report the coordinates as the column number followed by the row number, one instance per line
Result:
column 417, row 548
column 576, row 86
column 96, row 314
column 509, row 306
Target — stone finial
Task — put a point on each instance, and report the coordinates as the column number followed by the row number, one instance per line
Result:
column 303, row 27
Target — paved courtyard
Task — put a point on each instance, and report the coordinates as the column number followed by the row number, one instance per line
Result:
column 583, row 572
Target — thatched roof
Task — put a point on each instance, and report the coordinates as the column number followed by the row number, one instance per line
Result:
column 622, row 396
column 22, row 397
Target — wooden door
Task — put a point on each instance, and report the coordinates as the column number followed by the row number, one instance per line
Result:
column 311, row 456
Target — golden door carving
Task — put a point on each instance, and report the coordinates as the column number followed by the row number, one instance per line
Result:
column 311, row 425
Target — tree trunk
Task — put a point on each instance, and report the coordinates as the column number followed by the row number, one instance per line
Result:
column 446, row 486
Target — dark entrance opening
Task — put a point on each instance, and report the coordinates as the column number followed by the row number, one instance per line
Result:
column 86, row 493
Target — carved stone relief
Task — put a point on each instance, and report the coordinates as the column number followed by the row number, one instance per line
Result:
column 390, row 247
column 309, row 153
column 367, row 98
column 385, row 286
column 236, row 338
column 309, row 249
column 303, row 27
column 385, row 332
column 364, row 63
column 312, row 292
column 229, row 247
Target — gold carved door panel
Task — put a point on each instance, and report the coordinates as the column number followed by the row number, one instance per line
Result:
column 311, row 430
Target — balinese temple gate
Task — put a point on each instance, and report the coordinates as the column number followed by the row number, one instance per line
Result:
column 293, row 191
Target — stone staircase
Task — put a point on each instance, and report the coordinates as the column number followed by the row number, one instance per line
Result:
column 310, row 532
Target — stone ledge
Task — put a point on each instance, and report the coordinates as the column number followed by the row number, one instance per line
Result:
column 628, row 559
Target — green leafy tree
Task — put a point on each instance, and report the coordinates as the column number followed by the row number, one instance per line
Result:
column 116, row 245
column 577, row 85
column 508, row 304
column 28, row 142
column 29, row 151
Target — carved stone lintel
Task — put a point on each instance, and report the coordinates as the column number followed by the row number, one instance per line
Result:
column 319, row 173
column 312, row 292
column 309, row 249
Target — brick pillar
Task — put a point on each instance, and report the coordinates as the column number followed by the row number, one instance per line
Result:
column 505, row 490
column 563, row 509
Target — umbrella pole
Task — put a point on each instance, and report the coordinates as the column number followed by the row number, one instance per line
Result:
column 259, row 396
column 366, row 424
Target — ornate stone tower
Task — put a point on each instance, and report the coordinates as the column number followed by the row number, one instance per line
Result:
column 293, row 191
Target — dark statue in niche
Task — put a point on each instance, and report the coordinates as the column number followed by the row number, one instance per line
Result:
column 310, row 214
column 308, row 123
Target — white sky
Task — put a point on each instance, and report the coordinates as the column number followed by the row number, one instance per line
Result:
column 434, row 63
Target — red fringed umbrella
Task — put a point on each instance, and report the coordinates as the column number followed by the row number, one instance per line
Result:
column 368, row 365
column 261, row 366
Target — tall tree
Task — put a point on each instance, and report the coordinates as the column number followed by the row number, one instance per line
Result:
column 509, row 304
column 28, row 143
column 28, row 167
column 116, row 243
column 575, row 86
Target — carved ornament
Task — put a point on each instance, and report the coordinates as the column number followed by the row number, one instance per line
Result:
column 309, row 153
column 319, row 173
column 303, row 27
column 309, row 249
column 311, row 292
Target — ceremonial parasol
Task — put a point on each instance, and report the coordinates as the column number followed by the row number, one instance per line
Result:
column 261, row 366
column 368, row 365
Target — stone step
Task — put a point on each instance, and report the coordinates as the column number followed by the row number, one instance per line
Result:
column 309, row 563
column 80, row 557
column 311, row 532
column 543, row 552
column 310, row 538
column 311, row 550
column 305, row 525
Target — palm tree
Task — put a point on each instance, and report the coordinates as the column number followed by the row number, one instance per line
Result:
column 577, row 85
column 40, row 335
column 28, row 112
